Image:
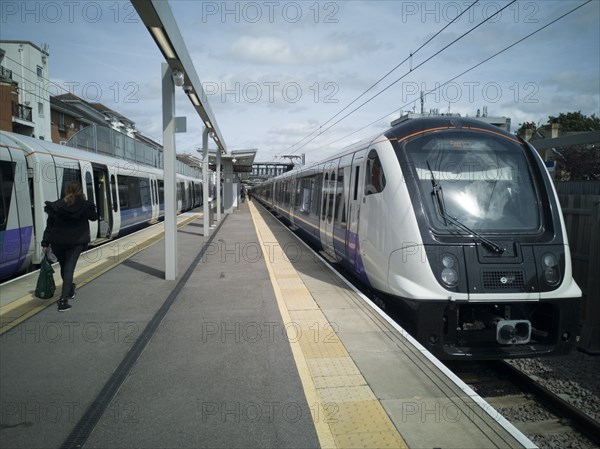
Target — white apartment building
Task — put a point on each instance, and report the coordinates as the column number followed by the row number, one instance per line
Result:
column 29, row 66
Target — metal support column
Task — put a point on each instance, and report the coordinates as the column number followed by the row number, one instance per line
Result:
column 228, row 186
column 205, row 183
column 218, row 186
column 168, row 105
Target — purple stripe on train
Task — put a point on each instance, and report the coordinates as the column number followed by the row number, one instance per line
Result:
column 14, row 245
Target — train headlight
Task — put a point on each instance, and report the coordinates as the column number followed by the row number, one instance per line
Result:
column 448, row 261
column 550, row 267
column 449, row 274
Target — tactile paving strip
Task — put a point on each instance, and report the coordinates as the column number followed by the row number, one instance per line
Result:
column 349, row 415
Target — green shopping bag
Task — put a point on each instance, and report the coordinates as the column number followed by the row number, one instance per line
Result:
column 45, row 284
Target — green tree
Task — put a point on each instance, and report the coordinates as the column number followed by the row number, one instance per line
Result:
column 525, row 125
column 580, row 162
column 575, row 121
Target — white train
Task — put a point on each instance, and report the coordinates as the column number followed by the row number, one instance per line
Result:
column 457, row 223
column 128, row 196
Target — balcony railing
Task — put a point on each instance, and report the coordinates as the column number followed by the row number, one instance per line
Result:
column 21, row 111
column 105, row 140
column 5, row 73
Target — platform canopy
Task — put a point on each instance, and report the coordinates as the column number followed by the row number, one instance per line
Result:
column 158, row 18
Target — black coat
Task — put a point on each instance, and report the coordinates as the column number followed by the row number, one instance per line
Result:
column 68, row 225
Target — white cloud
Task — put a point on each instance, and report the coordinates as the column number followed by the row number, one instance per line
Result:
column 274, row 50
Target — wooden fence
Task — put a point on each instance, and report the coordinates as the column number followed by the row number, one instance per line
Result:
column 582, row 221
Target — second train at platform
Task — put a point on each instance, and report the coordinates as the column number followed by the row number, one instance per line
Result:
column 127, row 195
column 454, row 224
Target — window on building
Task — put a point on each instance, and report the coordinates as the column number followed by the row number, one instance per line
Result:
column 41, row 109
column 40, row 72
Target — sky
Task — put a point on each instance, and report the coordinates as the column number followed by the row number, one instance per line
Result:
column 278, row 74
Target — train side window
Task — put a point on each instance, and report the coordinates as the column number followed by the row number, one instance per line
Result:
column 375, row 178
column 340, row 201
column 144, row 185
column 89, row 185
column 357, row 172
column 305, row 195
column 129, row 192
column 331, row 197
column 69, row 175
column 161, row 192
column 325, row 191
column 298, row 194
column 316, row 193
column 113, row 189
column 7, row 177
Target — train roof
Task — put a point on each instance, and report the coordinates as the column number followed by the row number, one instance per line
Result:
column 416, row 125
column 406, row 128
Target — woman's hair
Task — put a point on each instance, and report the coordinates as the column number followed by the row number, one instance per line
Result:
column 73, row 191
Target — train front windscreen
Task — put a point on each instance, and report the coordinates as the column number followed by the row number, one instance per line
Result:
column 480, row 179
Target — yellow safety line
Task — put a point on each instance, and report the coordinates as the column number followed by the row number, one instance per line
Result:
column 31, row 305
column 345, row 411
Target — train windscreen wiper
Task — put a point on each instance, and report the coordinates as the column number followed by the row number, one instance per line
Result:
column 439, row 196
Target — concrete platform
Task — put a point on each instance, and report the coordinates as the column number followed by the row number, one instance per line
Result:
column 257, row 344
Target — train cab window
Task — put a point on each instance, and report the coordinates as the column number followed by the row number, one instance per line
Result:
column 113, row 189
column 7, row 178
column 374, row 176
column 486, row 179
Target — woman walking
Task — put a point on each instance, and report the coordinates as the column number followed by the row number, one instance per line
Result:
column 68, row 233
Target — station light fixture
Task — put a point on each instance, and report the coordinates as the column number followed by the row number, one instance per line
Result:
column 178, row 77
column 158, row 19
column 194, row 99
column 163, row 42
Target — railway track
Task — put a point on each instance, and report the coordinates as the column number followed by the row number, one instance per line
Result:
column 544, row 416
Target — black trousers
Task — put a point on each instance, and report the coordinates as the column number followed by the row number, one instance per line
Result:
column 67, row 256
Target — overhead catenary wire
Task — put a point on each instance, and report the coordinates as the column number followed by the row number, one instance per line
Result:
column 457, row 76
column 407, row 73
column 408, row 58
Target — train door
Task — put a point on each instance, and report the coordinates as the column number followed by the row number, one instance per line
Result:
column 87, row 172
column 373, row 236
column 340, row 218
column 327, row 208
column 354, row 203
column 103, row 200
column 17, row 241
column 114, row 200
